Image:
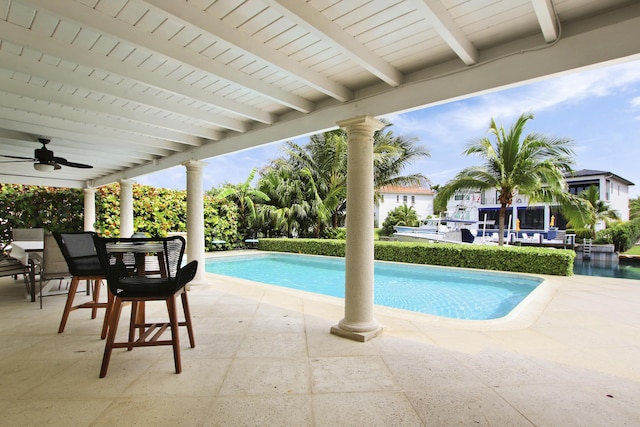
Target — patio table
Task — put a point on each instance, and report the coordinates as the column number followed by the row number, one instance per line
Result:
column 140, row 251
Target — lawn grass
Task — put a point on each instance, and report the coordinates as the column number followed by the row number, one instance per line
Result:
column 635, row 250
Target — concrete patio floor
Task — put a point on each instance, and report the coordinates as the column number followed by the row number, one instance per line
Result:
column 264, row 357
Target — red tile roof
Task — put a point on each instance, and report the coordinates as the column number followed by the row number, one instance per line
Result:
column 405, row 190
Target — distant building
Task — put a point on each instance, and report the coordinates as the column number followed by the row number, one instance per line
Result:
column 614, row 190
column 390, row 197
column 538, row 217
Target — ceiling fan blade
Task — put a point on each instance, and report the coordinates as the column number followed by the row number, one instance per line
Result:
column 65, row 162
column 31, row 159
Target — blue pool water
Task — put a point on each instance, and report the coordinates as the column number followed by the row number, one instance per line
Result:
column 461, row 294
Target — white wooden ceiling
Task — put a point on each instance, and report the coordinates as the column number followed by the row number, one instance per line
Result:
column 136, row 86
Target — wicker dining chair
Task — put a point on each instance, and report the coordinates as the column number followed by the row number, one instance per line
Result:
column 80, row 253
column 137, row 286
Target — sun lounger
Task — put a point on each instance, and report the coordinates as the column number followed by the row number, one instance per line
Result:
column 218, row 244
column 251, row 243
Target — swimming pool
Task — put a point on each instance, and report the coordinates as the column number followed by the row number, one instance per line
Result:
column 454, row 293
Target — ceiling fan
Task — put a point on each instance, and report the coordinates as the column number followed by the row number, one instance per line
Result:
column 44, row 160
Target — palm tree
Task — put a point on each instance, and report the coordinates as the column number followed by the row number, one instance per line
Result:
column 244, row 195
column 286, row 209
column 322, row 166
column 597, row 211
column 533, row 166
column 394, row 153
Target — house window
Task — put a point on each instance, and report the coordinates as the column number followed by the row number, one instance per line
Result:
column 576, row 189
column 531, row 218
column 611, row 191
column 382, row 198
column 404, row 200
column 397, row 198
column 413, row 200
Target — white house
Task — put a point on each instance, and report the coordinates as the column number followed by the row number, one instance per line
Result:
column 390, row 197
column 538, row 217
column 614, row 190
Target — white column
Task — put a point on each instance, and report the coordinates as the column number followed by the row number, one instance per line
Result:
column 126, row 207
column 514, row 222
column 547, row 217
column 89, row 209
column 195, row 218
column 358, row 323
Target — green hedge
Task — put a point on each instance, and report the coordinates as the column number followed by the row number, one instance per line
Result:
column 304, row 246
column 558, row 262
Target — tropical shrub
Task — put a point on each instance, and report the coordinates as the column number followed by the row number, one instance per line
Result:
column 622, row 235
column 221, row 219
column 402, row 215
column 335, row 233
column 39, row 207
column 581, row 233
column 157, row 211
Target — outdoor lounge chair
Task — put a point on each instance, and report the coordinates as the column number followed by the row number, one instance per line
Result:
column 12, row 267
column 137, row 287
column 27, row 234
column 51, row 265
column 24, row 234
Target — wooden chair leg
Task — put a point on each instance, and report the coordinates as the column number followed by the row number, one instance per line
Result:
column 187, row 318
column 97, row 284
column 133, row 323
column 141, row 318
column 114, row 319
column 175, row 335
column 67, row 307
column 107, row 314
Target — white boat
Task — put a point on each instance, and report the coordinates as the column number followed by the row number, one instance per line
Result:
column 445, row 230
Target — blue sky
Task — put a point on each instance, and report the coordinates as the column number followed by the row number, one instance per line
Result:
column 598, row 109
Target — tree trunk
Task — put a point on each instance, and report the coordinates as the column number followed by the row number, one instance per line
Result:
column 501, row 216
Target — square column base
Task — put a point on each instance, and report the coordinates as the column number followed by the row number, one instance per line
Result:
column 356, row 336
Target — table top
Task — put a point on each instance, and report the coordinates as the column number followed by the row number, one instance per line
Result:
column 28, row 245
column 22, row 249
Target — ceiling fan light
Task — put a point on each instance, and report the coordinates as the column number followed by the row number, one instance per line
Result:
column 44, row 167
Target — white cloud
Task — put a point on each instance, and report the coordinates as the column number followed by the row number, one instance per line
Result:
column 473, row 115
